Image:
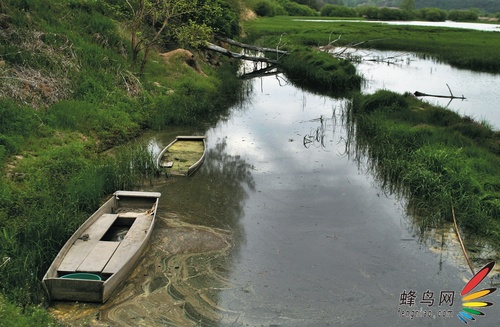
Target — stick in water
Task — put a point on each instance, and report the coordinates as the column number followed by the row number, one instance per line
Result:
column 461, row 242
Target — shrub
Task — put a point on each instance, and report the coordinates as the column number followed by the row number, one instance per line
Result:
column 296, row 9
column 369, row 12
column 431, row 14
column 463, row 15
column 267, row 8
column 390, row 14
column 337, row 11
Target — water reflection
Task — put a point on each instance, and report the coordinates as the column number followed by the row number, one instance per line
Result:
column 272, row 232
column 451, row 24
column 412, row 72
column 180, row 278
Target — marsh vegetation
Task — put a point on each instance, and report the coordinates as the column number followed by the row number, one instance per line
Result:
column 432, row 156
column 71, row 104
column 71, row 98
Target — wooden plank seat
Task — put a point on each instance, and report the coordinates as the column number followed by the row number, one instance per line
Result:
column 86, row 243
column 130, row 244
column 98, row 257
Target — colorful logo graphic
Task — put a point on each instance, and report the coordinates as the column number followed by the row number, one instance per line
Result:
column 469, row 301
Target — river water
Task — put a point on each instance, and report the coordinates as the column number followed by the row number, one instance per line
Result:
column 407, row 72
column 487, row 27
column 282, row 227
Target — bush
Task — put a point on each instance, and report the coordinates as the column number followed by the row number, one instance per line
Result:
column 228, row 22
column 267, row 8
column 431, row 14
column 369, row 12
column 463, row 15
column 390, row 14
column 296, row 9
column 338, row 11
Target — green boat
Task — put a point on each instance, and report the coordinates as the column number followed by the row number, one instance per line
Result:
column 183, row 156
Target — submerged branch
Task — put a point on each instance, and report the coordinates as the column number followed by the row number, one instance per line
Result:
column 267, row 71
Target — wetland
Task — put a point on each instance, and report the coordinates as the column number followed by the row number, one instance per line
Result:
column 283, row 226
column 290, row 221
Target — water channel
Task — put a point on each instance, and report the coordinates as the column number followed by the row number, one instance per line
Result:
column 282, row 227
column 408, row 72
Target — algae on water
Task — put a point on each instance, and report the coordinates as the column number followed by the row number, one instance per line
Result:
column 182, row 154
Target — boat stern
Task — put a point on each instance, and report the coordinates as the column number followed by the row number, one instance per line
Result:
column 66, row 289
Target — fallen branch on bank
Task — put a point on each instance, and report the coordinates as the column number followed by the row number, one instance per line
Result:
column 235, row 55
column 451, row 96
column 248, row 46
column 351, row 52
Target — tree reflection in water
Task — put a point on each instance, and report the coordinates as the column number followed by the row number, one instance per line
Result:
column 188, row 262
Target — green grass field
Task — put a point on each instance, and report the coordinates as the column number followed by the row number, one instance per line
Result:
column 475, row 50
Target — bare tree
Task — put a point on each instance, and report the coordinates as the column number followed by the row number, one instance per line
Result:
column 150, row 19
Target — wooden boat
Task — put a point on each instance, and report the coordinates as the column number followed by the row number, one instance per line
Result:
column 183, row 156
column 104, row 250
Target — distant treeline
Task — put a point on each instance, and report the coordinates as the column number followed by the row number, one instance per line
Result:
column 377, row 9
column 384, row 13
column 487, row 6
column 484, row 6
column 269, row 8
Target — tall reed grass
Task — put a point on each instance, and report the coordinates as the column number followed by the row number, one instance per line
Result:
column 71, row 94
column 55, row 199
column 427, row 155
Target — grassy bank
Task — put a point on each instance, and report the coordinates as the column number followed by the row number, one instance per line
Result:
column 13, row 316
column 432, row 157
column 462, row 48
column 320, row 72
column 69, row 93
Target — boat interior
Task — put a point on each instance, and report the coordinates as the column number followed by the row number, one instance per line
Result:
column 104, row 247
